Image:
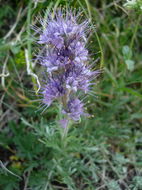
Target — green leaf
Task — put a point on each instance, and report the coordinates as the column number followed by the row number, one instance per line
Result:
column 127, row 52
column 130, row 64
column 131, row 91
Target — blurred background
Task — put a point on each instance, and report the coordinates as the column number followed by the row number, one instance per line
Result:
column 103, row 152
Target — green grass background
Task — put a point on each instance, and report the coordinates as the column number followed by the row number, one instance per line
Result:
column 103, row 152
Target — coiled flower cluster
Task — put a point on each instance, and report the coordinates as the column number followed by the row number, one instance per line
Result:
column 66, row 59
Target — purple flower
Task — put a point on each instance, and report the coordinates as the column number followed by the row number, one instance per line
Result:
column 79, row 77
column 79, row 51
column 74, row 109
column 65, row 58
column 54, row 58
column 62, row 30
column 52, row 90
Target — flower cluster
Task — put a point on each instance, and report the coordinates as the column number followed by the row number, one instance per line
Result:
column 65, row 58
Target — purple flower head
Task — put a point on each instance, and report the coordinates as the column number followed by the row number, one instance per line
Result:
column 79, row 77
column 79, row 51
column 74, row 109
column 62, row 29
column 53, row 60
column 52, row 90
column 66, row 60
column 57, row 58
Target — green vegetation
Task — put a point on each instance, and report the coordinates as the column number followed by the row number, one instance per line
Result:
column 103, row 152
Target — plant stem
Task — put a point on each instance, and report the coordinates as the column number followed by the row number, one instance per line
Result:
column 66, row 129
column 135, row 31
